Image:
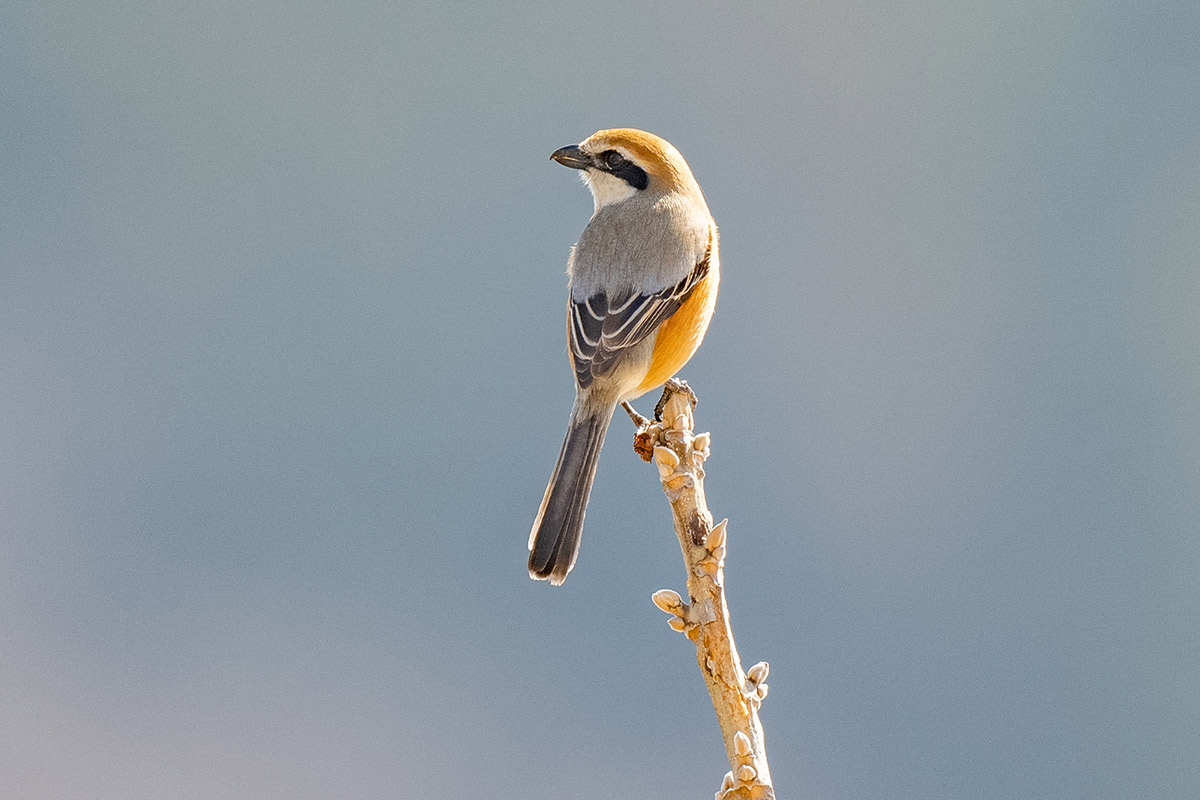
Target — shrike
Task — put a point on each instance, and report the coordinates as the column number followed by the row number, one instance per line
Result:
column 643, row 285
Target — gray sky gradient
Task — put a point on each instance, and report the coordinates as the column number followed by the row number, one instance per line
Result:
column 282, row 378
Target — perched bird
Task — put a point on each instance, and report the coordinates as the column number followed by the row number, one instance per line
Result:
column 643, row 284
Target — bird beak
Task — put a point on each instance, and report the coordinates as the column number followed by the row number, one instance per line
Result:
column 572, row 156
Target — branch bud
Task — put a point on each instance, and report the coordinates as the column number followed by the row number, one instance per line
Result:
column 666, row 459
column 716, row 537
column 669, row 601
column 758, row 673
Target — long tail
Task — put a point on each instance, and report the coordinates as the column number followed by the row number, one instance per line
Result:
column 554, row 540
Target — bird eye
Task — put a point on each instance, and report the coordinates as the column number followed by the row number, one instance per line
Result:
column 613, row 159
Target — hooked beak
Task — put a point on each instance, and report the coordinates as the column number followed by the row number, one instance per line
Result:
column 572, row 156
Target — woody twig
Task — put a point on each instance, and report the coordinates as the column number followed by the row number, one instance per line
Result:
column 704, row 619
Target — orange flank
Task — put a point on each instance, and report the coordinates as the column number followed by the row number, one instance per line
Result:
column 680, row 334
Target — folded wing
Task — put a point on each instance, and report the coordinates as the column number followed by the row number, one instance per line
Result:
column 602, row 329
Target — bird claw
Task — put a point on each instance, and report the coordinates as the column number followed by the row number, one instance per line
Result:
column 671, row 387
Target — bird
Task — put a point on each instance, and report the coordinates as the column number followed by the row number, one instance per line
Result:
column 643, row 280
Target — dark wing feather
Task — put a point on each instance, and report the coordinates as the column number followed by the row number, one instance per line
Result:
column 601, row 329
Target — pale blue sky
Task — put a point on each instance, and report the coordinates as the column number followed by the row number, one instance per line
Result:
column 282, row 378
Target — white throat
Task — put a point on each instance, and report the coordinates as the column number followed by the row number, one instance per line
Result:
column 607, row 190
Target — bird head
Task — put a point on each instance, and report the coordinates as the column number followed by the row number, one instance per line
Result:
column 618, row 164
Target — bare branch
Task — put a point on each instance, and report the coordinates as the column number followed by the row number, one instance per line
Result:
column 679, row 455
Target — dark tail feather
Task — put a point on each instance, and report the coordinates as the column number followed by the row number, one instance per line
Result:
column 554, row 541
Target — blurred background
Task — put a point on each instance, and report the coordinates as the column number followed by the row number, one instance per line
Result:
column 282, row 379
